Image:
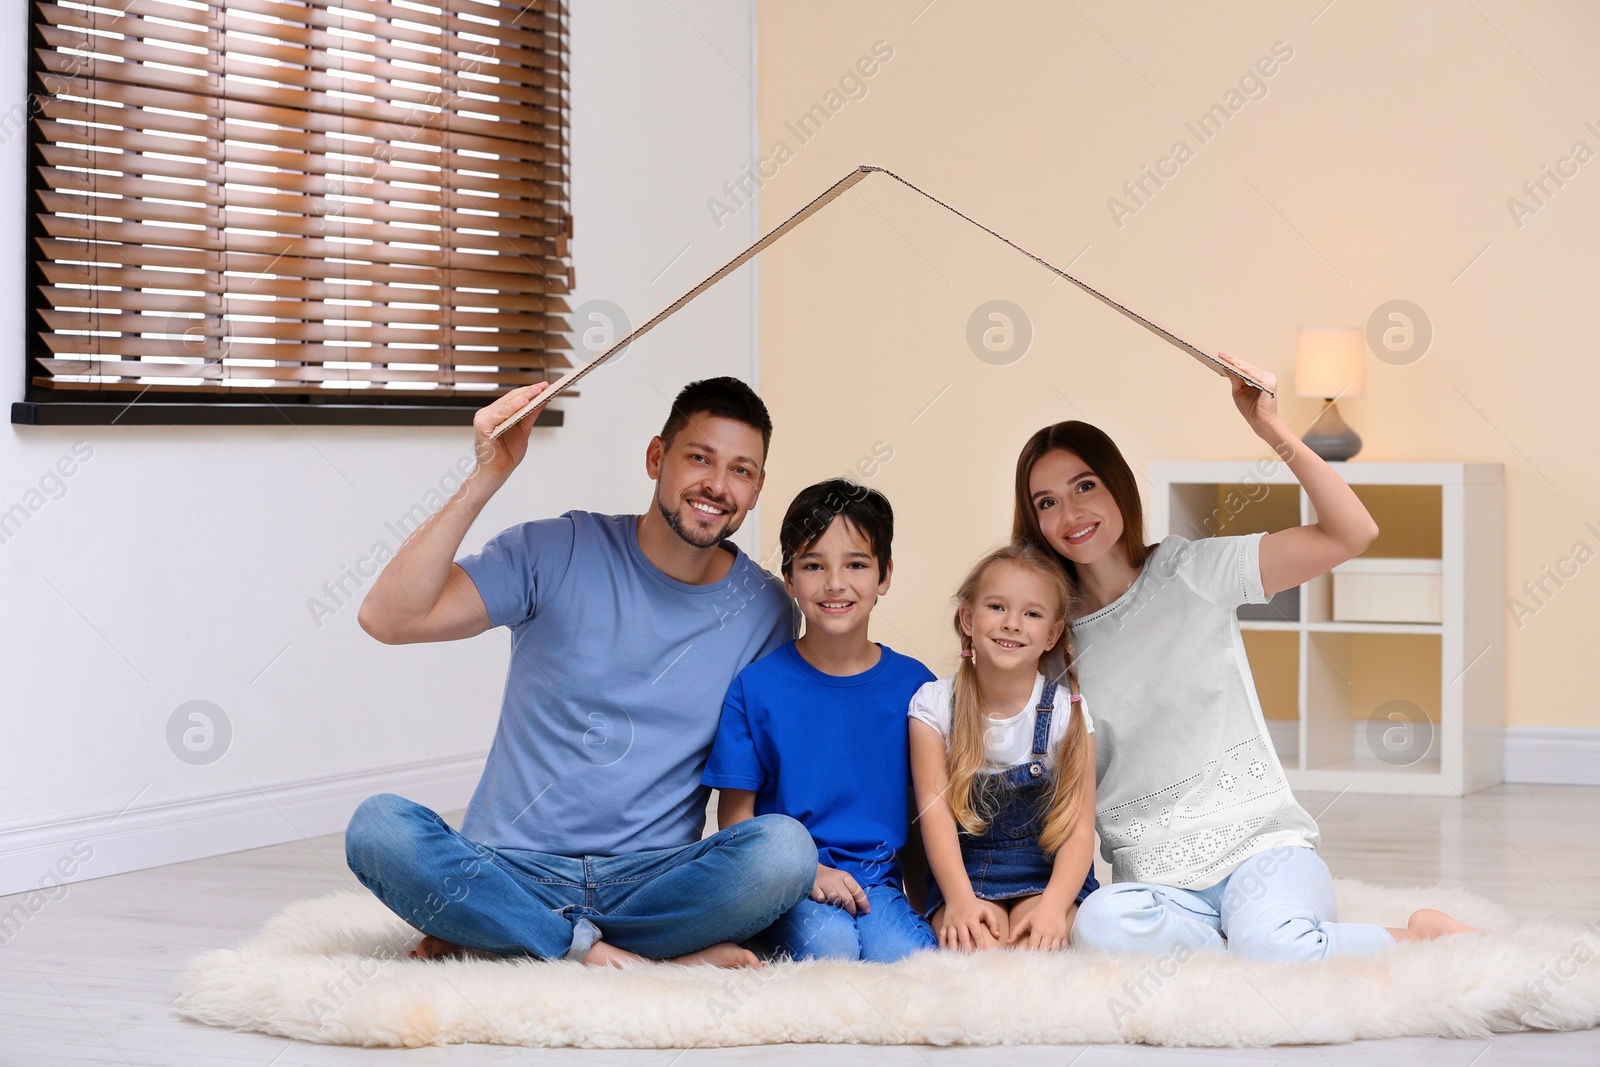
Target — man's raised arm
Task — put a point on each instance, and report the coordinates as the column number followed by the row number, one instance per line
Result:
column 422, row 595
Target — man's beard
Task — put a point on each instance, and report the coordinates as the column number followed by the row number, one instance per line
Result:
column 708, row 540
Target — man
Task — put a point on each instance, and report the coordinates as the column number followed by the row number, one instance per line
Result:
column 582, row 840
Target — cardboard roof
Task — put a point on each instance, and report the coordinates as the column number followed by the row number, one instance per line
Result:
column 832, row 193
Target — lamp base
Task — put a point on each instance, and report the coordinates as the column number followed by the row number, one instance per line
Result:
column 1330, row 437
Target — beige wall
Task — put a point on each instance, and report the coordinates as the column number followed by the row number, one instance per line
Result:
column 1377, row 166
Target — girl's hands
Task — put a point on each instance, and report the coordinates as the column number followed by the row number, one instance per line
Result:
column 1257, row 407
column 971, row 925
column 836, row 887
column 1044, row 927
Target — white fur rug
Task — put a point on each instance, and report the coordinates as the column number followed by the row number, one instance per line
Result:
column 332, row 970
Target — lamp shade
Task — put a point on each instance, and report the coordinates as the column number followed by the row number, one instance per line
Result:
column 1328, row 361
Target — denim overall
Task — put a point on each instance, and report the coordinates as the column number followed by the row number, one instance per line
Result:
column 1005, row 861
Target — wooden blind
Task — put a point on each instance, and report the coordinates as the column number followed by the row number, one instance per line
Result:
column 366, row 198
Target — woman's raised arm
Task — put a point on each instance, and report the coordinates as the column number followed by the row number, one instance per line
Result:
column 1344, row 528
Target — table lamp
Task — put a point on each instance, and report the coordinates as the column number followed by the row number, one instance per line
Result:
column 1328, row 364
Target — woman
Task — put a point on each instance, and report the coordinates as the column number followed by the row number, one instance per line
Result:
column 1208, row 847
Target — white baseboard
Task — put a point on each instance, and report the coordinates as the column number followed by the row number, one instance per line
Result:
column 1552, row 755
column 1533, row 755
column 63, row 847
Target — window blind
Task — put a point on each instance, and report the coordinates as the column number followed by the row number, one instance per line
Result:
column 365, row 199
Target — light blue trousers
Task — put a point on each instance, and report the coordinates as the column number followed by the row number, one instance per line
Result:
column 1277, row 905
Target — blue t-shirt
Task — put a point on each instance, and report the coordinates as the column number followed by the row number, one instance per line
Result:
column 617, row 675
column 829, row 751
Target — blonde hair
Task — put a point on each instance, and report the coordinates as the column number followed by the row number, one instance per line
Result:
column 968, row 793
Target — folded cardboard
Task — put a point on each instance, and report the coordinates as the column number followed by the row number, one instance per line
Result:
column 826, row 197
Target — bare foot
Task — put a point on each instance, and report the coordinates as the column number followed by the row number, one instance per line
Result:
column 1428, row 924
column 601, row 954
column 726, row 954
column 436, row 948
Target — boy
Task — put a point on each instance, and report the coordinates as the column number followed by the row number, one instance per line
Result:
column 817, row 731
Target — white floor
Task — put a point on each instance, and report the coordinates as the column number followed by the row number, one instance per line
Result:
column 90, row 978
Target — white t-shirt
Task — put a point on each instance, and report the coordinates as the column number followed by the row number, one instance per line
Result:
column 1188, row 785
column 1007, row 742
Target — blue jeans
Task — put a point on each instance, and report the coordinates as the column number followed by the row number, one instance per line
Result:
column 513, row 902
column 890, row 931
column 1277, row 905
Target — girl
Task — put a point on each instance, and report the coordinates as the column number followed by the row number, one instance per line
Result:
column 1208, row 847
column 1002, row 763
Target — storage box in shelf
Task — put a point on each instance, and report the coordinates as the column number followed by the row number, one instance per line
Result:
column 1389, row 590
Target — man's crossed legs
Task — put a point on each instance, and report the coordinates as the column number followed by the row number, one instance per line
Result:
column 661, row 904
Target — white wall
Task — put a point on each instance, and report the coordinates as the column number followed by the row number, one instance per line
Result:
column 179, row 563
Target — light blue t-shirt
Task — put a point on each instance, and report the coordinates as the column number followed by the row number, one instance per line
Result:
column 615, row 686
column 827, row 750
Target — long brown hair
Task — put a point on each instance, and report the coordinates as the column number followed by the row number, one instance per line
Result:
column 1105, row 459
column 964, row 760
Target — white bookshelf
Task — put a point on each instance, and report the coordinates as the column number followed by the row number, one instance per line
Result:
column 1328, row 687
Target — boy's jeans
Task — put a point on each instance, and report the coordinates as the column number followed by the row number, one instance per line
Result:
column 511, row 902
column 890, row 931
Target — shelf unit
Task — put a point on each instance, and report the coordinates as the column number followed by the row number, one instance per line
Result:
column 1370, row 707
